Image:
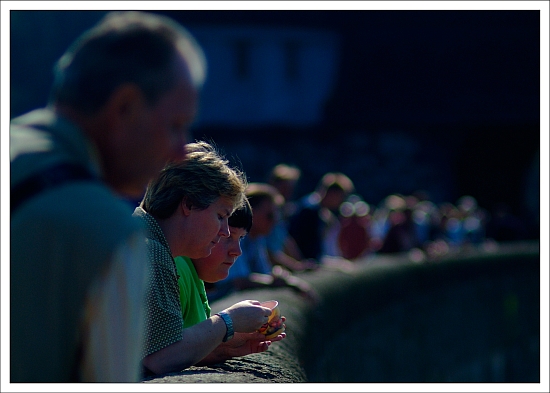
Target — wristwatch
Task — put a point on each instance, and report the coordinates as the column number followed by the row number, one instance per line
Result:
column 228, row 324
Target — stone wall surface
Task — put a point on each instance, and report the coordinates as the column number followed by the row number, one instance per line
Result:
column 468, row 317
column 280, row 364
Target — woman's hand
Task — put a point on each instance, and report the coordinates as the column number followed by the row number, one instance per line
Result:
column 248, row 316
column 243, row 344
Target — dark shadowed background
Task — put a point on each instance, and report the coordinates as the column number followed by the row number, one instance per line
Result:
column 447, row 102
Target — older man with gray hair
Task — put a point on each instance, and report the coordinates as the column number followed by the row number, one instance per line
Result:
column 124, row 96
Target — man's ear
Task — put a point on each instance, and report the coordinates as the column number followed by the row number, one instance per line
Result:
column 125, row 104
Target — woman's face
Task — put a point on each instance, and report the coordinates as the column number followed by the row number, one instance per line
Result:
column 203, row 229
column 215, row 267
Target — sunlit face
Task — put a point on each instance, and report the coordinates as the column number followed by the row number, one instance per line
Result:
column 201, row 230
column 215, row 267
column 158, row 133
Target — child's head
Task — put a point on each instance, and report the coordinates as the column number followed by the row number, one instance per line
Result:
column 242, row 217
column 215, row 267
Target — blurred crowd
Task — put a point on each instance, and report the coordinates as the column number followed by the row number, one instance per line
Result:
column 333, row 226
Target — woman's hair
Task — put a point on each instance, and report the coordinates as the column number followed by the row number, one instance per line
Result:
column 242, row 217
column 199, row 180
column 125, row 47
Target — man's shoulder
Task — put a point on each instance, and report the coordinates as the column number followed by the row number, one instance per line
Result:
column 43, row 144
column 94, row 204
column 34, row 117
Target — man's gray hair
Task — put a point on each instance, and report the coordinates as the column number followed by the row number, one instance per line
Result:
column 125, row 47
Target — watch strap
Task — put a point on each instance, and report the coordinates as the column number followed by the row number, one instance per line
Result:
column 228, row 324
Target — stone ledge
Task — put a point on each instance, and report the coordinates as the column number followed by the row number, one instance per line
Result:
column 280, row 364
column 376, row 285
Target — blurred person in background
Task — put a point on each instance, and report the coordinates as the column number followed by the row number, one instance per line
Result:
column 402, row 234
column 425, row 217
column 315, row 225
column 451, row 224
column 474, row 220
column 354, row 239
column 404, row 223
column 285, row 178
column 282, row 248
column 123, row 98
column 186, row 211
column 255, row 268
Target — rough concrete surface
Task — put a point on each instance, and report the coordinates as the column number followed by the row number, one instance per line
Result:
column 280, row 364
column 403, row 306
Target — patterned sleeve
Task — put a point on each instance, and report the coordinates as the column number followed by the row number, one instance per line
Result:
column 164, row 321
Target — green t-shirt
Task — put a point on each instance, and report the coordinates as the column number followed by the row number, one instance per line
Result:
column 194, row 303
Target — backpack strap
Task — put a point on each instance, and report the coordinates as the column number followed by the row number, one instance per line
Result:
column 49, row 178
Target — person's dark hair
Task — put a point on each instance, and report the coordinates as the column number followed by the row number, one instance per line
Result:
column 124, row 47
column 242, row 217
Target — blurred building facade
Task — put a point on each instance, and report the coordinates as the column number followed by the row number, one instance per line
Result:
column 260, row 76
column 445, row 102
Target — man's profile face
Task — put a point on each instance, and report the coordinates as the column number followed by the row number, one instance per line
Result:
column 162, row 130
